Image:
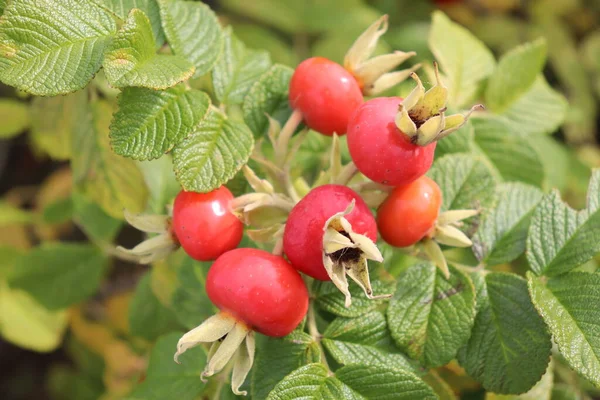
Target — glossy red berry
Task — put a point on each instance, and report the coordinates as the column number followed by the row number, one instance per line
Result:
column 204, row 225
column 380, row 150
column 326, row 95
column 409, row 213
column 303, row 235
column 260, row 289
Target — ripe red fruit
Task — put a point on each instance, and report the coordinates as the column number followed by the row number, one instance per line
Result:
column 409, row 213
column 326, row 95
column 260, row 289
column 204, row 225
column 303, row 235
column 380, row 150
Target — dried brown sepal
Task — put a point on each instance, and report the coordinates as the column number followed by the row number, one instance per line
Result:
column 373, row 74
column 232, row 341
column 345, row 253
column 422, row 114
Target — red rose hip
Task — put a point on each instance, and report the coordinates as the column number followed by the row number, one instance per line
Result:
column 326, row 95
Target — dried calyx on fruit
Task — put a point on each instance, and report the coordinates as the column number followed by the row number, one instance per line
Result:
column 373, row 74
column 410, row 215
column 202, row 223
column 256, row 292
column 330, row 234
column 421, row 115
column 346, row 252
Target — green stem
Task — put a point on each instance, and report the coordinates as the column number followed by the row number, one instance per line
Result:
column 283, row 139
column 346, row 174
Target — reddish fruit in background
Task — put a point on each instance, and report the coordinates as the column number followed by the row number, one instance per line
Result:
column 303, row 236
column 204, row 225
column 260, row 289
column 326, row 95
column 410, row 212
column 380, row 150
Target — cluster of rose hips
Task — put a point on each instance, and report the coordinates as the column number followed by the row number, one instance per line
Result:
column 331, row 232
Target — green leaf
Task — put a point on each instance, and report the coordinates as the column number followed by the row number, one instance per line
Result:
column 465, row 60
column 193, row 32
column 189, row 301
column 268, row 96
column 358, row 382
column 59, row 274
column 213, row 154
column 237, row 69
column 430, row 317
column 541, row 391
column 89, row 217
column 330, row 299
column 131, row 59
column 563, row 391
column 539, row 110
column 113, row 182
column 277, row 357
column 150, row 7
column 26, row 323
column 502, row 234
column 261, row 37
column 509, row 348
column 496, row 139
column 60, row 211
column 364, row 340
column 561, row 238
column 148, row 318
column 566, row 304
column 460, row 141
column 515, row 74
column 166, row 379
column 161, row 182
column 14, row 116
column 52, row 47
column 150, row 123
column 10, row 215
column 54, row 121
column 466, row 182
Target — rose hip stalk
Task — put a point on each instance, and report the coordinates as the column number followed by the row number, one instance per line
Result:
column 411, row 215
column 392, row 140
column 256, row 292
column 202, row 223
column 329, row 234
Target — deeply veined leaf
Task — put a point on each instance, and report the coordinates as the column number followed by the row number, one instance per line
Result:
column 540, row 110
column 59, row 274
column 460, row 141
column 54, row 120
column 515, row 74
column 567, row 304
column 464, row 59
column 364, row 340
column 193, row 32
column 131, row 59
column 26, row 323
column 502, row 234
column 14, row 116
column 150, row 123
column 509, row 348
column 213, row 153
column 430, row 317
column 150, row 7
column 165, row 378
column 541, row 391
column 497, row 139
column 561, row 238
column 277, row 357
column 268, row 96
column 52, row 47
column 237, row 69
column 357, row 382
